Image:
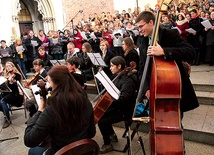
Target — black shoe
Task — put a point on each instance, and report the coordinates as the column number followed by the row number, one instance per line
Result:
column 113, row 138
column 106, row 148
column 6, row 123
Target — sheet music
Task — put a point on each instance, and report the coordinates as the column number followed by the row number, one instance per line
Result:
column 206, row 24
column 96, row 59
column 58, row 62
column 20, row 49
column 83, row 35
column 136, row 32
column 34, row 43
column 45, row 44
column 2, row 79
column 4, row 53
column 35, row 89
column 177, row 29
column 3, row 85
column 190, row 30
column 55, row 41
column 62, row 62
column 23, row 90
column 92, row 35
column 108, row 84
column 54, row 62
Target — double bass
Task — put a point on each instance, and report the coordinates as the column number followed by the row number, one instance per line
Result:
column 166, row 134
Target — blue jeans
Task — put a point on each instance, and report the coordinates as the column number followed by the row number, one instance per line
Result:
column 37, row 150
column 5, row 108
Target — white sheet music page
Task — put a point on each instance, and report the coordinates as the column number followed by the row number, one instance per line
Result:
column 2, row 79
column 35, row 88
column 108, row 84
column 62, row 62
column 54, row 62
column 206, row 24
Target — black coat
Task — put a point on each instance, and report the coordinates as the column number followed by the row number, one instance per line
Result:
column 175, row 48
column 44, row 123
column 109, row 55
column 198, row 27
column 210, row 34
column 126, row 102
column 14, row 98
column 132, row 56
column 30, row 49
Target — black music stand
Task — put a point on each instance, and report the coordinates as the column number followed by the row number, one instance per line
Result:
column 97, row 60
column 5, row 89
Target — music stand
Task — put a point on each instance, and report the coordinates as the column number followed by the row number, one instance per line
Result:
column 5, row 89
column 97, row 60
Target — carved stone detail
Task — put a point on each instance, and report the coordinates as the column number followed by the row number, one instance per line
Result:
column 48, row 19
column 18, row 7
column 40, row 7
column 15, row 18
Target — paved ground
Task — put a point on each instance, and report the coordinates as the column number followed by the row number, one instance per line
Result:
column 16, row 146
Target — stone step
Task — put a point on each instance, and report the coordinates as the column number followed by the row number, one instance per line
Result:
column 203, row 87
column 198, row 125
column 206, row 98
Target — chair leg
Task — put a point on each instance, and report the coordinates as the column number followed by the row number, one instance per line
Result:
column 132, row 136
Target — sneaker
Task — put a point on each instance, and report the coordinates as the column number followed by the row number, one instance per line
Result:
column 113, row 138
column 6, row 124
column 106, row 148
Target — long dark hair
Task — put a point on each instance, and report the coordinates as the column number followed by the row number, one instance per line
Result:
column 68, row 99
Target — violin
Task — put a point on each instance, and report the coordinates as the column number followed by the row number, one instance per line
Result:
column 28, row 83
column 11, row 76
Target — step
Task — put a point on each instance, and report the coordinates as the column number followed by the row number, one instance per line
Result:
column 198, row 125
column 205, row 97
column 203, row 87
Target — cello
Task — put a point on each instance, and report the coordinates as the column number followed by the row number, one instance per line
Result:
column 106, row 100
column 166, row 134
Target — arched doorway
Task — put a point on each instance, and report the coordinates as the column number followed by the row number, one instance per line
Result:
column 35, row 15
column 25, row 20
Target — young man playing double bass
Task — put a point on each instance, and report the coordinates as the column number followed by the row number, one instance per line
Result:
column 171, row 47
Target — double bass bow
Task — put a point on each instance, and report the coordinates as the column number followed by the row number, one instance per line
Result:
column 165, row 94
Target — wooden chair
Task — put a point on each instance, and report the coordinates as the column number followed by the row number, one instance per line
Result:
column 80, row 147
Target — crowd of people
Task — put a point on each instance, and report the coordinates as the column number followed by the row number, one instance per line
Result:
column 122, row 39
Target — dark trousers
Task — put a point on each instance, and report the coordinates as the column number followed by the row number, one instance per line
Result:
column 110, row 117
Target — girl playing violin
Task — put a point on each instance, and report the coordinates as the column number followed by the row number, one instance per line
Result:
column 14, row 97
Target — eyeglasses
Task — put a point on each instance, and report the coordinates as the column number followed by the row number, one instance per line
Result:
column 141, row 26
